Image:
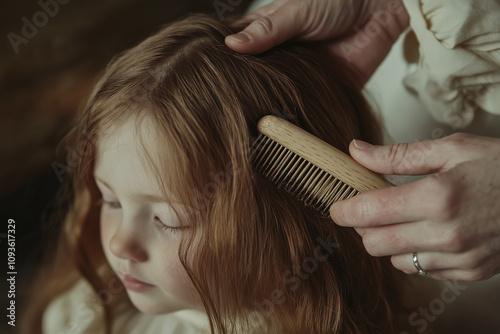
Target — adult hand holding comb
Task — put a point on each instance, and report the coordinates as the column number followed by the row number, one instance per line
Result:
column 451, row 218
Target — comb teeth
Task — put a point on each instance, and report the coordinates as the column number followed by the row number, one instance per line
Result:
column 307, row 182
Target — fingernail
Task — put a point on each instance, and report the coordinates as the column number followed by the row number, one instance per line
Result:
column 362, row 145
column 240, row 37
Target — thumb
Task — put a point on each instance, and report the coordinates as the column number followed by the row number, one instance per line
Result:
column 416, row 158
column 269, row 30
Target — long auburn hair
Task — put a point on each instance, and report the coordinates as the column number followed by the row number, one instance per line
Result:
column 252, row 249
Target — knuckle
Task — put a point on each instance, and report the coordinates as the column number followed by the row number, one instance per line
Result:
column 471, row 260
column 397, row 156
column 444, row 197
column 392, row 239
column 455, row 240
column 251, row 18
column 266, row 24
column 475, row 259
column 457, row 139
column 359, row 212
column 386, row 204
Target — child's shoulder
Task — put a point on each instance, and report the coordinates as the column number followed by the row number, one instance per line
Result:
column 79, row 311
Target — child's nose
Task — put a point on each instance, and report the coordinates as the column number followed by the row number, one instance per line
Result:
column 125, row 244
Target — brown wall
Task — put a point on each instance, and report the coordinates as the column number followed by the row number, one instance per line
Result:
column 47, row 71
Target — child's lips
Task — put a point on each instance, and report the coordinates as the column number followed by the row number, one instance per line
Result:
column 133, row 284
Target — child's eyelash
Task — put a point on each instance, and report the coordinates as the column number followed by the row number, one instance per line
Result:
column 110, row 204
column 167, row 228
column 161, row 225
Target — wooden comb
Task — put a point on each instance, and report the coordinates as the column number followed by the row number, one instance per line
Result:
column 313, row 171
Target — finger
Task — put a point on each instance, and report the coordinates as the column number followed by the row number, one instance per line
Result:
column 399, row 204
column 269, row 30
column 461, row 275
column 428, row 261
column 422, row 157
column 402, row 159
column 262, row 11
column 472, row 266
column 402, row 238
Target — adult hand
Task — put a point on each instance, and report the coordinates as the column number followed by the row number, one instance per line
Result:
column 360, row 31
column 451, row 218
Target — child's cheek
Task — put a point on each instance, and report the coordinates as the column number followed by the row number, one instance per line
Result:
column 108, row 224
column 175, row 279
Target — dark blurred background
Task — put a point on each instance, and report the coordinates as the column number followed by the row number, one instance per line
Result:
column 51, row 54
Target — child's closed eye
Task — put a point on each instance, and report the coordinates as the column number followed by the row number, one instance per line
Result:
column 168, row 228
column 174, row 222
column 110, row 204
column 115, row 205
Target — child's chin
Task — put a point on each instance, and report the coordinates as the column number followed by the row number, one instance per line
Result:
column 150, row 306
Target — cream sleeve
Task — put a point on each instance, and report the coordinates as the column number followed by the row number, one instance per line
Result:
column 79, row 312
column 458, row 74
column 74, row 312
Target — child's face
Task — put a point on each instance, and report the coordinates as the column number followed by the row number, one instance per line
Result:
column 138, row 234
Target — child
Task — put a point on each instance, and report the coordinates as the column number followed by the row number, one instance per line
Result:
column 191, row 238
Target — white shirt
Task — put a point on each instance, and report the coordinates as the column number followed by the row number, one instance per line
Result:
column 78, row 312
column 458, row 73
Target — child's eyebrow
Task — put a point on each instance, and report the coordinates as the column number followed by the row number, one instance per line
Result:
column 138, row 197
